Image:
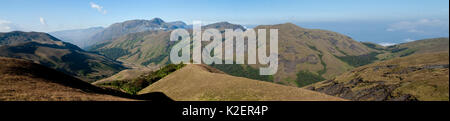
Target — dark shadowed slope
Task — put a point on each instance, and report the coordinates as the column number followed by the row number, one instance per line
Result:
column 25, row 81
column 22, row 80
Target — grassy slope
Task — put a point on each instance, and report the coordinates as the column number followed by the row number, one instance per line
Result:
column 25, row 81
column 196, row 82
column 22, row 80
column 312, row 50
column 51, row 52
column 136, row 84
column 416, row 77
column 139, row 48
column 127, row 74
column 415, row 47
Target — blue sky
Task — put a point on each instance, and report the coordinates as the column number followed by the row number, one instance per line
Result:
column 388, row 21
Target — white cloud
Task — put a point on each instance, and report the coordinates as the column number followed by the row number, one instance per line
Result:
column 7, row 26
column 387, row 44
column 419, row 26
column 42, row 20
column 98, row 7
column 409, row 40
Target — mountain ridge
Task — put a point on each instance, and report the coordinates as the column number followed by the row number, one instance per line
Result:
column 79, row 37
column 45, row 49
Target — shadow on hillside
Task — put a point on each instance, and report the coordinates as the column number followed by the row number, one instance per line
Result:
column 27, row 68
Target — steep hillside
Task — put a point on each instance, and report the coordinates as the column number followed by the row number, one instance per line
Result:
column 314, row 53
column 22, row 80
column 79, row 37
column 140, row 49
column 49, row 51
column 416, row 47
column 423, row 77
column 319, row 52
column 146, row 48
column 223, row 26
column 132, row 26
column 198, row 82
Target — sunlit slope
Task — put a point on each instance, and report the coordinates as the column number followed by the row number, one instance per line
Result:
column 423, row 77
column 313, row 50
column 416, row 47
column 22, row 80
column 199, row 82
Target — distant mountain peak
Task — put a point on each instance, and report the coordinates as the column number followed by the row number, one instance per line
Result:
column 133, row 26
column 224, row 25
column 157, row 21
column 16, row 37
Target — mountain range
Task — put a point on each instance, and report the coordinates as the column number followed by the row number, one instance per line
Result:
column 79, row 37
column 95, row 35
column 300, row 49
column 47, row 50
column 129, row 61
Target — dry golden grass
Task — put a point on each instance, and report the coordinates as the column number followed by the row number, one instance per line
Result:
column 423, row 77
column 25, row 81
column 23, row 88
column 127, row 74
column 197, row 82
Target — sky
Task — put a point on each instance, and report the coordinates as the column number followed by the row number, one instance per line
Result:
column 380, row 21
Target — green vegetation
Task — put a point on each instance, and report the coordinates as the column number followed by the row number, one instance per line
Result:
column 97, row 46
column 373, row 46
column 135, row 85
column 396, row 49
column 406, row 53
column 242, row 71
column 114, row 53
column 324, row 70
column 359, row 60
column 157, row 59
column 305, row 78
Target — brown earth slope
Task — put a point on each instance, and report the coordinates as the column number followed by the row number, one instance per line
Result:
column 198, row 82
column 22, row 80
column 423, row 77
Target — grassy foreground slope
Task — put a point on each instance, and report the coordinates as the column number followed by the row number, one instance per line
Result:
column 423, row 77
column 22, row 80
column 200, row 82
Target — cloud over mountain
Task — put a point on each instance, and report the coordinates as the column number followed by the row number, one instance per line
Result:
column 7, row 26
